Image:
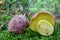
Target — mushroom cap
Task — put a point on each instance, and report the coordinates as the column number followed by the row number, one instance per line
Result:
column 18, row 24
column 42, row 15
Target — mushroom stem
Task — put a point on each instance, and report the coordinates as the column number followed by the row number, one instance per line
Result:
column 44, row 27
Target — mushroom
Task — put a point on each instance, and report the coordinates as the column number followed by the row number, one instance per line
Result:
column 18, row 24
column 42, row 22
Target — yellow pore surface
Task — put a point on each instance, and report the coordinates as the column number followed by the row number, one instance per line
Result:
column 41, row 16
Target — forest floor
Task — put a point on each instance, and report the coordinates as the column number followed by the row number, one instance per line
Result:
column 28, row 35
